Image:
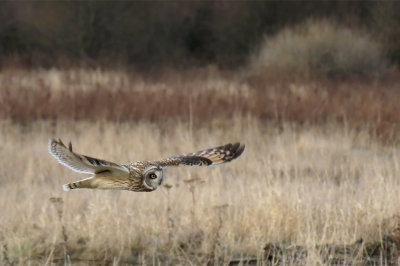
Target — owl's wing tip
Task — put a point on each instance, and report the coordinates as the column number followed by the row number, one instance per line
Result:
column 54, row 141
column 237, row 149
column 240, row 149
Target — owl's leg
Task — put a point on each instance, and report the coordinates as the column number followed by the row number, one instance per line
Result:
column 97, row 181
column 84, row 183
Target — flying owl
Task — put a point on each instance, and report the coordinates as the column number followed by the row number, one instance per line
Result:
column 135, row 176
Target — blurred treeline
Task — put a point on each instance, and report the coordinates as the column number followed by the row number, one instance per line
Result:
column 147, row 33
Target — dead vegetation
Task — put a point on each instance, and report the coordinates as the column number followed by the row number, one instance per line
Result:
column 320, row 170
column 321, row 48
column 381, row 252
column 198, row 97
column 309, row 186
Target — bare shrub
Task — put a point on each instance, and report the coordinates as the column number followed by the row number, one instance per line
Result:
column 319, row 47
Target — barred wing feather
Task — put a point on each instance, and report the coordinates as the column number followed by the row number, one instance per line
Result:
column 209, row 157
column 81, row 163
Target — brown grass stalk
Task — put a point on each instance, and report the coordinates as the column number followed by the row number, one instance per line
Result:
column 5, row 257
column 170, row 221
column 58, row 204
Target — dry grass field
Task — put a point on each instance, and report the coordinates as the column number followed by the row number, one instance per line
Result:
column 305, row 185
column 198, row 96
column 321, row 166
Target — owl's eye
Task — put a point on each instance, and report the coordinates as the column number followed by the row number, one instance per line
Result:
column 153, row 176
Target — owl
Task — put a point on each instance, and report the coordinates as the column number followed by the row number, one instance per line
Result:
column 144, row 176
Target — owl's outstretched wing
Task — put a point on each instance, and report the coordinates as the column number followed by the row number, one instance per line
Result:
column 213, row 156
column 82, row 163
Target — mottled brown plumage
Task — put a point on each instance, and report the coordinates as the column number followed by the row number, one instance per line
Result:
column 134, row 176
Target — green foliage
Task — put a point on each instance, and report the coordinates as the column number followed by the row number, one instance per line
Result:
column 320, row 47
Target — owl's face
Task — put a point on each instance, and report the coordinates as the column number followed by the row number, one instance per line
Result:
column 152, row 177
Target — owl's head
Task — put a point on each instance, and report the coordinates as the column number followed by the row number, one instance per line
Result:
column 152, row 177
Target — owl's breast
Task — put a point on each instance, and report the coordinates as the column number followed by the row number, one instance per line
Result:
column 136, row 177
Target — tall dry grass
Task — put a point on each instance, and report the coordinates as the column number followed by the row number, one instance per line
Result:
column 198, row 96
column 305, row 185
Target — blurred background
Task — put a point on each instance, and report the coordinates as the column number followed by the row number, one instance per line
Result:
column 311, row 87
column 152, row 34
column 301, row 61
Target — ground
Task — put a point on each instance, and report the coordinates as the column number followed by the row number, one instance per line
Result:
column 299, row 187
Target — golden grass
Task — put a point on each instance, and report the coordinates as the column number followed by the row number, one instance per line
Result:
column 305, row 185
